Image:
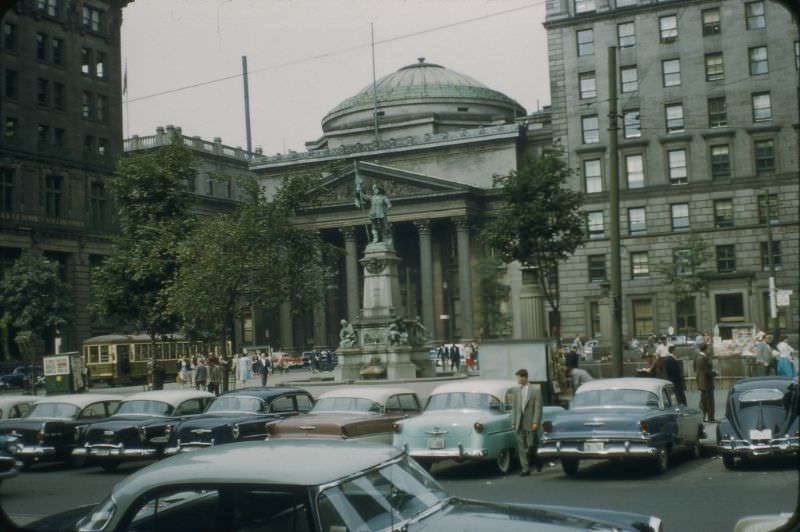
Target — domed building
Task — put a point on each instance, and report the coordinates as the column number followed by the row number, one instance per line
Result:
column 434, row 145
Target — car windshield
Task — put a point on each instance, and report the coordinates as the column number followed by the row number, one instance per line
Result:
column 591, row 398
column 379, row 499
column 461, row 400
column 54, row 410
column 145, row 406
column 236, row 404
column 760, row 396
column 346, row 404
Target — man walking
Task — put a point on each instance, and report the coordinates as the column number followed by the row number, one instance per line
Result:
column 263, row 368
column 201, row 374
column 526, row 415
column 673, row 370
column 455, row 357
column 214, row 376
column 705, row 382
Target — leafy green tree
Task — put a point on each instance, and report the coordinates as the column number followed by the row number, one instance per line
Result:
column 35, row 300
column 541, row 223
column 687, row 274
column 494, row 295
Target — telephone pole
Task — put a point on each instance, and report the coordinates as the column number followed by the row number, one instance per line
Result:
column 613, row 225
column 246, row 83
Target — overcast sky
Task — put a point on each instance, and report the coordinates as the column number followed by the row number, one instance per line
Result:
column 169, row 44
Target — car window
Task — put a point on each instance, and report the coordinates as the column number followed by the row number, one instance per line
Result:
column 621, row 397
column 94, row 411
column 283, row 403
column 112, row 407
column 192, row 406
column 409, row 403
column 673, row 399
column 460, row 400
column 346, row 404
column 54, row 410
column 20, row 410
column 304, row 403
column 665, row 397
column 393, row 405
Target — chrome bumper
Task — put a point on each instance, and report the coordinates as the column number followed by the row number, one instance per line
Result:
column 778, row 446
column 459, row 453
column 624, row 449
column 34, row 451
column 187, row 447
column 113, row 451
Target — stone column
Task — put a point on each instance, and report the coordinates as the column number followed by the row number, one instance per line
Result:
column 351, row 272
column 286, row 326
column 426, row 274
column 464, row 278
column 320, row 319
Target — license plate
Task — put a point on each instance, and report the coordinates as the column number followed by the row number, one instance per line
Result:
column 761, row 434
column 593, row 446
column 101, row 452
column 435, row 443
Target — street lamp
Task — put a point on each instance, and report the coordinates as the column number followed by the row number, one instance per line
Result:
column 448, row 316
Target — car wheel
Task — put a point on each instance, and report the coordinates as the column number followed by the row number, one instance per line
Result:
column 504, row 461
column 661, row 462
column 729, row 461
column 110, row 466
column 570, row 466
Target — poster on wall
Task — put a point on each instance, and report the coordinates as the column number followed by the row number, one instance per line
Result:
column 57, row 365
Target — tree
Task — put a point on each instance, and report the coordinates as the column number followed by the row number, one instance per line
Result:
column 494, row 295
column 541, row 223
column 686, row 274
column 151, row 192
column 35, row 300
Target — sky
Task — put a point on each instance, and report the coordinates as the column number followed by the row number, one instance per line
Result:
column 306, row 56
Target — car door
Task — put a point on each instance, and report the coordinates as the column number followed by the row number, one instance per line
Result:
column 682, row 416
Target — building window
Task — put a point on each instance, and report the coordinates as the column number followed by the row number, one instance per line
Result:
column 592, row 178
column 86, row 105
column 717, row 112
column 594, row 318
column 595, row 223
column 626, row 34
column 86, row 61
column 42, row 92
column 686, row 314
column 10, row 127
column 723, row 213
column 41, row 46
column 587, row 84
column 765, row 156
column 726, row 258
column 53, row 196
column 590, row 128
column 98, row 203
column 100, row 65
column 584, row 6
column 720, row 161
column 57, row 50
column 668, row 28
column 58, row 96
column 634, row 170
column 640, row 265
column 776, row 255
column 642, row 317
column 758, row 60
column 43, row 135
column 102, row 147
column 597, row 268
column 680, row 216
column 92, row 18
column 676, row 162
column 674, row 118
column 12, row 84
column 7, row 189
column 768, row 208
column 9, row 37
column 632, row 127
column 58, row 137
column 715, row 69
column 671, row 70
column 209, row 186
column 101, row 113
column 730, row 308
column 637, row 221
column 683, row 263
column 754, row 13
column 585, row 42
column 630, row 79
column 711, row 21
column 49, row 7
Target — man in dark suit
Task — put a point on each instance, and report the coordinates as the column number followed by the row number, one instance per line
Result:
column 455, row 358
column 526, row 416
column 673, row 370
column 704, row 371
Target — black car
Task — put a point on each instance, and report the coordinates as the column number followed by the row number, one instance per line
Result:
column 140, row 428
column 20, row 377
column 50, row 430
column 239, row 415
column 761, row 419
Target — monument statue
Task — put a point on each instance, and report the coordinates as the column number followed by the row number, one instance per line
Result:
column 421, row 334
column 347, row 335
column 379, row 205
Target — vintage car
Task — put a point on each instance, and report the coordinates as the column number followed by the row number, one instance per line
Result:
column 761, row 419
column 16, row 406
column 9, row 465
column 362, row 412
column 464, row 420
column 20, row 377
column 342, row 486
column 628, row 418
column 140, row 428
column 48, row 432
column 239, row 415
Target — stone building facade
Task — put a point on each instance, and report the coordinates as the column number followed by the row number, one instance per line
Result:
column 709, row 124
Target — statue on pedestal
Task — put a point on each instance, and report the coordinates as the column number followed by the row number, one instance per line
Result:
column 379, row 205
column 347, row 336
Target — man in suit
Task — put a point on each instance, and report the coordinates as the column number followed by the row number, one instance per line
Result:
column 526, row 415
column 673, row 370
column 705, row 382
column 455, row 357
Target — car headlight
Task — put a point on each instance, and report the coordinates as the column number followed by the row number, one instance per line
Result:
column 77, row 434
column 142, row 434
column 235, row 431
column 168, row 431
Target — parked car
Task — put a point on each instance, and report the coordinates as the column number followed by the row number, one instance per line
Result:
column 342, row 486
column 628, row 418
column 140, row 428
column 239, row 415
column 761, row 419
column 9, row 465
column 49, row 431
column 20, row 377
column 365, row 412
column 464, row 420
column 16, row 406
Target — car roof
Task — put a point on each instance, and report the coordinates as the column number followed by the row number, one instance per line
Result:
column 646, row 384
column 373, row 393
column 495, row 387
column 762, row 382
column 263, row 392
column 173, row 397
column 260, row 462
column 80, row 400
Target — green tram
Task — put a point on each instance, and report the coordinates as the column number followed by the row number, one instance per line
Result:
column 122, row 358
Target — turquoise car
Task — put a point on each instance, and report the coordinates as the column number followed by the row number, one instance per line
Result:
column 468, row 420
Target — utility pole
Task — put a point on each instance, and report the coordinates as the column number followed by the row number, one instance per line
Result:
column 374, row 86
column 247, row 107
column 773, row 296
column 613, row 198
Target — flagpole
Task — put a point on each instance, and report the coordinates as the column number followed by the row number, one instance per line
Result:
column 374, row 85
column 127, row 107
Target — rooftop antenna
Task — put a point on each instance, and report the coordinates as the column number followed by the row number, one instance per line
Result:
column 374, row 85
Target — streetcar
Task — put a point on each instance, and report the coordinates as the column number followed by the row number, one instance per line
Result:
column 123, row 358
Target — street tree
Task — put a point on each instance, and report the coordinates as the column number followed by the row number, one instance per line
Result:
column 35, row 301
column 541, row 223
column 687, row 275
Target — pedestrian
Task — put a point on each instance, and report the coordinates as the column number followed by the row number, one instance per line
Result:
column 577, row 344
column 784, row 349
column 314, row 361
column 526, row 415
column 577, row 377
column 440, row 356
column 785, row 366
column 455, row 358
column 183, row 371
column 263, row 367
column 214, row 376
column 201, row 374
column 763, row 358
column 476, row 357
column 704, row 371
column 673, row 370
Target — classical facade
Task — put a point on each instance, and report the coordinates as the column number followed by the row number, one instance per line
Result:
column 440, row 138
column 708, row 148
column 60, row 81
